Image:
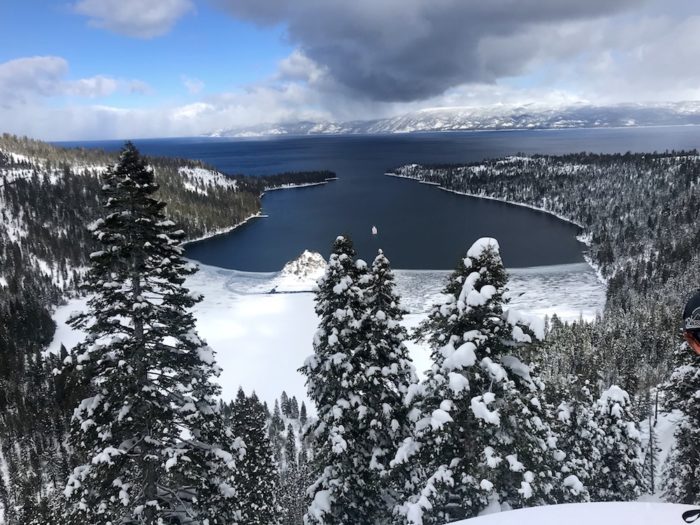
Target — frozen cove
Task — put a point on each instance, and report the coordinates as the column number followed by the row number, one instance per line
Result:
column 261, row 325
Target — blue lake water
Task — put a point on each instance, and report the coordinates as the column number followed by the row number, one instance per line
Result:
column 419, row 226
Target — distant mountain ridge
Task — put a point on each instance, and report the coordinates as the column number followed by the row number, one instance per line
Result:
column 492, row 118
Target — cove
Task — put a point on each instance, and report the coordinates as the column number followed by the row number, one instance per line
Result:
column 419, row 226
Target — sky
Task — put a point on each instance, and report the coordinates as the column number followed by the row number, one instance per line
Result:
column 102, row 69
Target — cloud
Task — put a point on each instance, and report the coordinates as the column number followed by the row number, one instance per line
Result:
column 193, row 85
column 134, row 18
column 404, row 50
column 24, row 79
column 93, row 87
column 29, row 80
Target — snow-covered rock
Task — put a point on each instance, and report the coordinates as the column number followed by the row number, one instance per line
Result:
column 301, row 274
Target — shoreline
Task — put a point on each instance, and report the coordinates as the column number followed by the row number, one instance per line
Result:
column 259, row 215
column 582, row 237
column 295, row 186
column 499, row 199
column 222, row 231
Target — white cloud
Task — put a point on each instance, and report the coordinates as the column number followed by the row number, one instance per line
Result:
column 134, row 18
column 25, row 79
column 193, row 85
column 93, row 87
column 30, row 80
column 643, row 55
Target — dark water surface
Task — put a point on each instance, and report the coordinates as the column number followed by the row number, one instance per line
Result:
column 419, row 226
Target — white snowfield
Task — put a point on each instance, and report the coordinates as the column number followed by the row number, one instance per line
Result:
column 628, row 513
column 261, row 325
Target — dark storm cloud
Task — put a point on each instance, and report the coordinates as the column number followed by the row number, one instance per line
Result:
column 404, row 50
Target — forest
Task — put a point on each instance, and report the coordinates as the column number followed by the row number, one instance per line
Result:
column 48, row 197
column 513, row 412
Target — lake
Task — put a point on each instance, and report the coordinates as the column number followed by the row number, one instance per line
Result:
column 419, row 226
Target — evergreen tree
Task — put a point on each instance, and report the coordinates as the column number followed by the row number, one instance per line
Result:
column 293, row 488
column 154, row 445
column 619, row 474
column 578, row 437
column 257, row 474
column 342, row 493
column 651, row 455
column 682, row 472
column 294, row 408
column 302, row 414
column 284, row 403
column 482, row 434
column 385, row 375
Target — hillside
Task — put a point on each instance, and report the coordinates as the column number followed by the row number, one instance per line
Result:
column 639, row 214
column 48, row 197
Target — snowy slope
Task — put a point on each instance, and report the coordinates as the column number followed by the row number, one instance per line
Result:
column 201, row 180
column 588, row 514
column 261, row 338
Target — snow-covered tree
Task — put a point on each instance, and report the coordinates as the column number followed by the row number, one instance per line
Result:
column 302, row 414
column 578, row 437
column 293, row 488
column 481, row 437
column 618, row 475
column 257, row 475
column 651, row 455
column 682, row 471
column 384, row 376
column 337, row 494
column 153, row 442
column 358, row 376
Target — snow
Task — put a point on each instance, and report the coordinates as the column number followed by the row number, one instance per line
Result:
column 261, row 338
column 636, row 513
column 481, row 245
column 301, row 274
column 197, row 180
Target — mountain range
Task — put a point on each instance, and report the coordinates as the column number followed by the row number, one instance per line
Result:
column 530, row 116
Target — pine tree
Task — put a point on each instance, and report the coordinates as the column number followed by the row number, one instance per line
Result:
column 578, row 437
column 651, row 455
column 154, row 445
column 341, row 493
column 257, row 474
column 682, row 471
column 293, row 488
column 482, row 434
column 385, row 377
column 302, row 414
column 619, row 474
column 294, row 408
column 284, row 403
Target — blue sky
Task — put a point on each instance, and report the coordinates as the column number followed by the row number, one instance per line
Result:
column 217, row 50
column 72, row 69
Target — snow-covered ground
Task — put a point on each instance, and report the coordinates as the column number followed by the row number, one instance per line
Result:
column 638, row 513
column 261, row 338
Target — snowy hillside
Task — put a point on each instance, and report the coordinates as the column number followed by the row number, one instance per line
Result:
column 201, row 180
column 491, row 118
column 588, row 514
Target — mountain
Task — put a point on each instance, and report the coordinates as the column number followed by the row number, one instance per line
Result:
column 529, row 116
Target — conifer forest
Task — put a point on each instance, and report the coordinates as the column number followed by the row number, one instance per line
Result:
column 514, row 411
